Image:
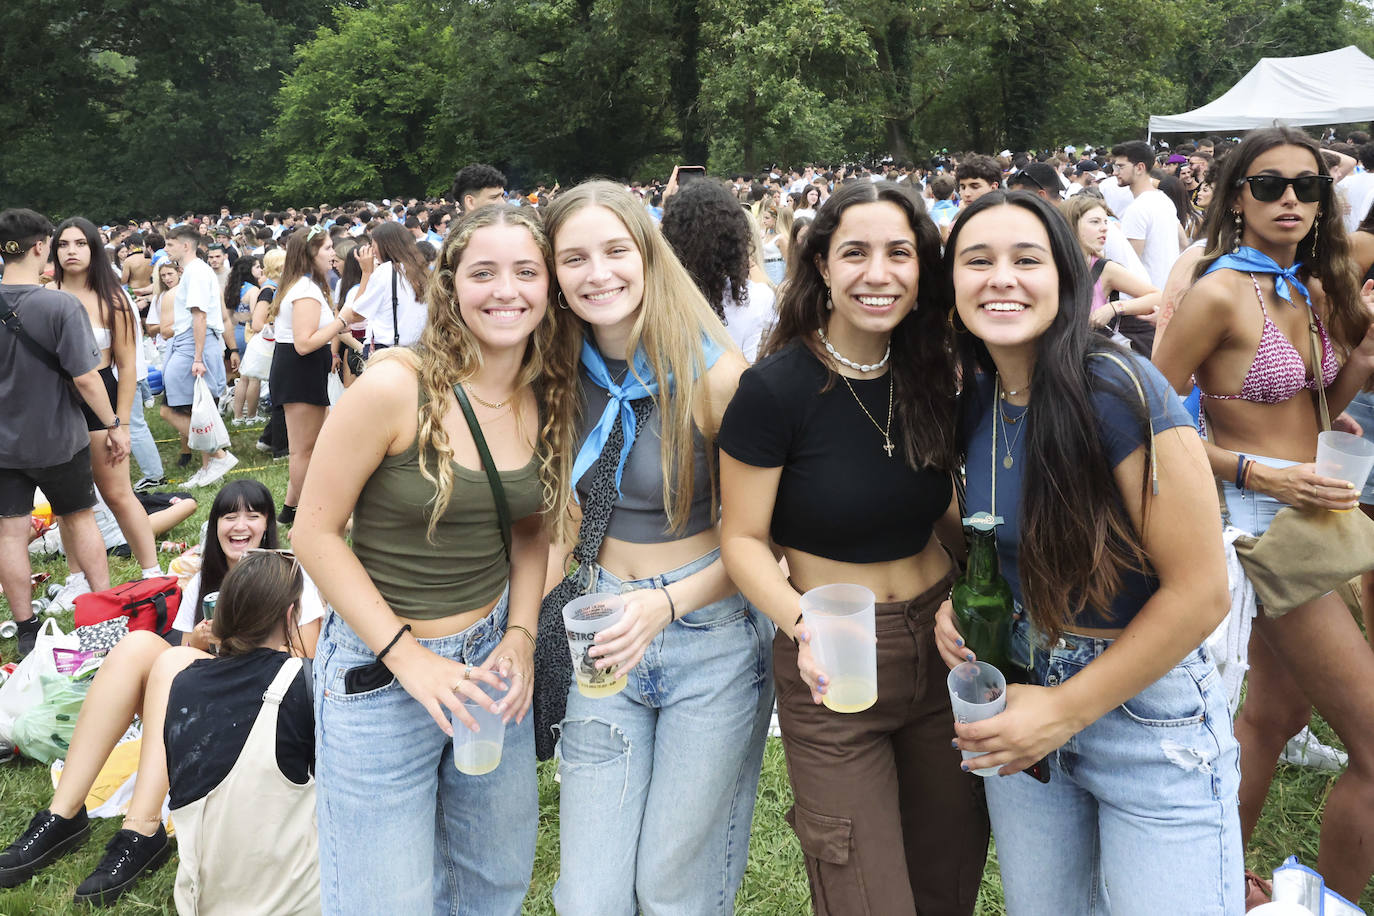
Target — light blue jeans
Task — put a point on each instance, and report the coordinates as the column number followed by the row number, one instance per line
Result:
column 401, row 830
column 140, row 439
column 1251, row 511
column 1361, row 408
column 1140, row 815
column 659, row 780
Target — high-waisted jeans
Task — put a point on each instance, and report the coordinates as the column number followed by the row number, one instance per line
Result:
column 401, row 830
column 659, row 780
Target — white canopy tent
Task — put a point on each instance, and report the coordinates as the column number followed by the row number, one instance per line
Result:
column 1332, row 88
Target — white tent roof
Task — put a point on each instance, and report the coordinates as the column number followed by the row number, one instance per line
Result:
column 1332, row 88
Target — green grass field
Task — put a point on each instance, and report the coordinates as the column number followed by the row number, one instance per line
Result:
column 775, row 884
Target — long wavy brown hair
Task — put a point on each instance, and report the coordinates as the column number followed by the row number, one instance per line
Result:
column 448, row 354
column 671, row 327
column 300, row 262
column 1325, row 250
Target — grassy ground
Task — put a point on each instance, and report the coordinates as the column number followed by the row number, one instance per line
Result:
column 775, row 884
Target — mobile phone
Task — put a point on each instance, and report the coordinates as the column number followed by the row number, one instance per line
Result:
column 686, row 173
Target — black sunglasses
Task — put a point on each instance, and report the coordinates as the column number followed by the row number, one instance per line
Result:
column 1268, row 188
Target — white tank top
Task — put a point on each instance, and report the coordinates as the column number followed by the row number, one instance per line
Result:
column 250, row 846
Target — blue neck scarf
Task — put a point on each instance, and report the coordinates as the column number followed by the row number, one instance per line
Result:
column 628, row 389
column 1249, row 260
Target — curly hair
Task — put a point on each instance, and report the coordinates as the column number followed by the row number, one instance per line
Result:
column 711, row 236
column 448, row 354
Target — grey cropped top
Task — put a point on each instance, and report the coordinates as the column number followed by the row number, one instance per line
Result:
column 638, row 516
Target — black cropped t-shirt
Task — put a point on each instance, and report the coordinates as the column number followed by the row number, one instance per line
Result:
column 840, row 495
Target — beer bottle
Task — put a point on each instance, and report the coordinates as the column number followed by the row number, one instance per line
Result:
column 982, row 599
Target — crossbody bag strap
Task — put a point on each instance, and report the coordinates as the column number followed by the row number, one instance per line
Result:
column 395, row 327
column 10, row 319
column 498, row 491
column 1319, row 375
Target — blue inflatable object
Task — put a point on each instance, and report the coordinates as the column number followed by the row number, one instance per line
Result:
column 154, row 380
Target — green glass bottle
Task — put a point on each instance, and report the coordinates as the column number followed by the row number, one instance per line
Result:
column 983, row 604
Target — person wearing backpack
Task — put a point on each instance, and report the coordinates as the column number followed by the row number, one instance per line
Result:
column 48, row 360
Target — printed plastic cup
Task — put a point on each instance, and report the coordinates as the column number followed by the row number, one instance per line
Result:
column 583, row 618
column 840, row 619
column 977, row 691
column 1344, row 457
column 477, row 753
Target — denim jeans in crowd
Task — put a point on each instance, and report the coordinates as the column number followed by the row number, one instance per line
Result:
column 1361, row 409
column 401, row 830
column 1249, row 510
column 1140, row 815
column 658, row 781
column 140, row 438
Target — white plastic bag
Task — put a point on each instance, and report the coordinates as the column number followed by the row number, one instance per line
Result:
column 24, row 688
column 257, row 356
column 208, row 432
column 335, row 388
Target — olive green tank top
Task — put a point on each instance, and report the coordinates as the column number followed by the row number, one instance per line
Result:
column 465, row 565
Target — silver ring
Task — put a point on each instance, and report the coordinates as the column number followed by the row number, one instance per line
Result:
column 467, row 672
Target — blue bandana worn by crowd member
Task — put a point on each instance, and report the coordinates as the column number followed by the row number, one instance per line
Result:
column 1249, row 260
column 627, row 389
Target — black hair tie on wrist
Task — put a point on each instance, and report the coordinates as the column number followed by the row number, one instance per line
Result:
column 395, row 639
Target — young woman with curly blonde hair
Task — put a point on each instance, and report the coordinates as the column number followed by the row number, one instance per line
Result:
column 430, row 606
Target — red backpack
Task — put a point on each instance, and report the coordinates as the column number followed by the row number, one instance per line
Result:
column 150, row 604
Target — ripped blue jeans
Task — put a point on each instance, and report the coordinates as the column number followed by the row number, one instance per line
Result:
column 658, row 781
column 1140, row 815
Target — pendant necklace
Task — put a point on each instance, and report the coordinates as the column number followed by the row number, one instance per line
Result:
column 487, row 404
column 887, row 433
column 1010, row 444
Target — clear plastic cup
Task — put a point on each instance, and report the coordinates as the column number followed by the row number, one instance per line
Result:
column 477, row 753
column 1344, row 457
column 583, row 618
column 840, row 619
column 977, row 691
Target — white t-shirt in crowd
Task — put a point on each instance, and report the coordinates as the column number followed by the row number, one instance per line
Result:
column 749, row 322
column 311, row 604
column 198, row 289
column 1154, row 218
column 374, row 304
column 806, row 212
column 1359, row 193
column 1117, row 197
column 304, row 288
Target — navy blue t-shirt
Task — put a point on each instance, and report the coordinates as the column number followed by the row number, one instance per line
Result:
column 1121, row 433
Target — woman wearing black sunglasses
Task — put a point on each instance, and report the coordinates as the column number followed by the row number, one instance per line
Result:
column 1277, row 250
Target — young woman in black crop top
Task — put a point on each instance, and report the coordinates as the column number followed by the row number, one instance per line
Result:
column 659, row 779
column 838, row 450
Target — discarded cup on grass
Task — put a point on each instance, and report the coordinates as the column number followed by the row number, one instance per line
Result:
column 840, row 620
column 977, row 691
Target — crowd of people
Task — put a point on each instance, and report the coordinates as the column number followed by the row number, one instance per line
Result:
column 709, row 396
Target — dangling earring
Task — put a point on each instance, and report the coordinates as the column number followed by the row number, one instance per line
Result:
column 1316, row 232
column 562, row 303
column 1240, row 227
column 829, row 303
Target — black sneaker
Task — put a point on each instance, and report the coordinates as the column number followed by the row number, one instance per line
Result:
column 183, row 459
column 287, row 515
column 46, row 840
column 149, row 483
column 27, row 635
column 128, row 855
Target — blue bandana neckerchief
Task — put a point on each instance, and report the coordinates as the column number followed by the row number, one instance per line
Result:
column 1249, row 260
column 629, row 389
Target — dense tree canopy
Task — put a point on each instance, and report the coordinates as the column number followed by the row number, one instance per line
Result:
column 126, row 107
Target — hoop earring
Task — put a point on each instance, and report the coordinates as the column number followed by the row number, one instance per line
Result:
column 1240, row 227
column 561, row 302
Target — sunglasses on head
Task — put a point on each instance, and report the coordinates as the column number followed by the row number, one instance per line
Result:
column 1268, row 188
column 276, row 551
column 314, row 231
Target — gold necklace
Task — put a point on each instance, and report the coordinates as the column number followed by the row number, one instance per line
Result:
column 887, row 433
column 1007, row 460
column 487, row 404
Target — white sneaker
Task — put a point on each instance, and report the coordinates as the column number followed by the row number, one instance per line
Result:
column 217, row 468
column 1304, row 750
column 194, row 480
column 774, row 729
column 49, row 543
column 65, row 599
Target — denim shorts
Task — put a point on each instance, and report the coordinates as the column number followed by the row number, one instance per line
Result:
column 674, row 759
column 1141, row 813
column 401, row 830
column 1248, row 510
column 1361, row 408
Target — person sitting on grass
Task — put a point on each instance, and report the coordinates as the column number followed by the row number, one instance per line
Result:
column 242, row 518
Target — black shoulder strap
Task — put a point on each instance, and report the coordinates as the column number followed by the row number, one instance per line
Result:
column 10, row 319
column 395, row 328
column 1098, row 266
column 498, row 492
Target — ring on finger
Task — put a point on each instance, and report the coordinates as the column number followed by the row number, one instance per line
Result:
column 467, row 673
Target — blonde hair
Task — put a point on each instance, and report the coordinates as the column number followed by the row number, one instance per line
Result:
column 672, row 324
column 448, row 353
column 1075, row 208
column 756, row 248
column 272, row 264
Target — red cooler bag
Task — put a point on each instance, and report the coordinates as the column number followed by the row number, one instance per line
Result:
column 150, row 604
